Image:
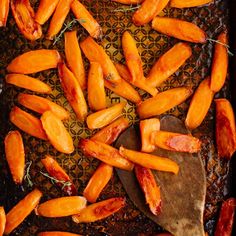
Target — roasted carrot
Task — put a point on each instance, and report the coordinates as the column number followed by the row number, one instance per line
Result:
column 34, row 61
column 27, row 123
column 21, row 210
column 40, row 105
column 146, row 128
column 128, row 2
column 188, row 3
column 179, row 29
column 60, row 207
column 57, row 133
column 149, row 187
column 160, row 6
column 150, row 161
column 163, row 102
column 15, row 155
column 57, row 233
column 96, row 89
column 4, row 10
column 73, row 92
column 199, row 105
column 225, row 129
column 2, row 221
column 104, row 117
column 99, row 210
column 56, row 171
column 168, row 64
column 86, row 19
column 105, row 153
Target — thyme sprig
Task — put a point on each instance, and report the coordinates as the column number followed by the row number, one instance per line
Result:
column 27, row 176
column 125, row 9
column 226, row 45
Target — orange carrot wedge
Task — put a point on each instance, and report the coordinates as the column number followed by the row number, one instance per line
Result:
column 105, row 153
column 34, row 61
column 86, row 19
column 199, row 105
column 74, row 57
column 15, row 155
column 57, row 133
column 99, row 210
column 160, row 6
column 2, row 220
column 73, row 92
column 20, row 211
column 168, row 64
column 56, row 171
column 179, row 29
column 163, row 102
column 176, row 142
column 4, row 10
column 150, row 161
column 45, row 10
column 96, row 89
column 60, row 207
column 57, row 233
column 146, row 128
column 40, row 105
column 225, row 129
column 150, row 188
column 128, row 2
column 188, row 3
column 219, row 64
column 28, row 123
column 104, row 117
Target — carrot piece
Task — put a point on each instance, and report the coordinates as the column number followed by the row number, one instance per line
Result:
column 96, row 90
column 56, row 171
column 21, row 210
column 40, row 105
column 4, row 10
column 225, row 128
column 15, row 155
column 163, row 102
column 188, row 3
column 28, row 123
column 179, row 29
column 74, row 57
column 57, row 133
column 168, row 64
column 150, row 161
column 34, row 61
column 60, row 207
column 99, row 210
column 2, row 220
column 73, row 92
column 128, row 2
column 105, row 153
column 160, row 6
column 45, row 10
column 146, row 128
column 86, row 19
column 104, row 117
column 219, row 64
column 199, row 105
column 150, row 188
column 57, row 233
column 176, row 142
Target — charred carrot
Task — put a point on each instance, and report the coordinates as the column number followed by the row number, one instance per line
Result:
column 4, row 10
column 27, row 123
column 2, row 220
column 128, row 2
column 57, row 233
column 188, row 3
column 99, row 210
column 20, row 211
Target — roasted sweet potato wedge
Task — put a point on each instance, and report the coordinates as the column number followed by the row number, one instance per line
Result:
column 2, row 221
column 188, row 3
column 57, row 233
column 4, row 10
column 128, row 2
column 99, row 210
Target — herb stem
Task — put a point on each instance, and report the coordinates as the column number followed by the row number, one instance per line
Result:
column 27, row 174
column 223, row 44
column 125, row 9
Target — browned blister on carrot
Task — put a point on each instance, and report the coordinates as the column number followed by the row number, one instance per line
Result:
column 99, row 210
column 4, row 10
column 225, row 129
column 21, row 210
column 57, row 233
column 188, row 3
column 128, row 2
column 2, row 221
column 15, row 155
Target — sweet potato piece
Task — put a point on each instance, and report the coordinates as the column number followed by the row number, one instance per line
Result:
column 150, row 161
column 34, row 61
column 225, row 129
column 163, row 102
column 99, row 210
column 146, row 128
column 28, row 123
column 105, row 153
column 15, row 155
column 57, row 233
column 128, row 2
column 73, row 92
column 188, row 3
column 168, row 64
column 2, row 220
column 57, row 133
column 149, row 187
column 21, row 210
column 4, row 10
column 56, row 171
column 179, row 29
column 199, row 105
column 86, row 19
